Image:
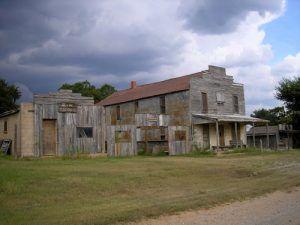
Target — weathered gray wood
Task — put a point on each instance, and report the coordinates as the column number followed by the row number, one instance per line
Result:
column 85, row 115
column 217, row 134
column 236, row 134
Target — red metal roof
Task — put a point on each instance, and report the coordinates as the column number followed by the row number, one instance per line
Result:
column 150, row 90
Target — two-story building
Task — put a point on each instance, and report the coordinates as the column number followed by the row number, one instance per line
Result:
column 205, row 110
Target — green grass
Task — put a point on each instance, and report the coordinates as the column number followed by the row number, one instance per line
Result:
column 118, row 190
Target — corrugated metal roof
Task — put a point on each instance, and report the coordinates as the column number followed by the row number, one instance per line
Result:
column 150, row 90
column 230, row 118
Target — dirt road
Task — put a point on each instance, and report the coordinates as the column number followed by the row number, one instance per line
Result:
column 278, row 208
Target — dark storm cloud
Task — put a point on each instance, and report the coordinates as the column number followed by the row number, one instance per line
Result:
column 46, row 43
column 42, row 40
column 223, row 16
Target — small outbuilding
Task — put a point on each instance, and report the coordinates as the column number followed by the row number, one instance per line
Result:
column 53, row 124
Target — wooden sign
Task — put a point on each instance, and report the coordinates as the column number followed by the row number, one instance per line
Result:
column 5, row 145
column 67, row 107
column 152, row 120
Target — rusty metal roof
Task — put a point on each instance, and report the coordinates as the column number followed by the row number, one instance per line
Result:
column 150, row 90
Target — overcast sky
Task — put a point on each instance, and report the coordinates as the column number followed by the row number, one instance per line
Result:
column 47, row 43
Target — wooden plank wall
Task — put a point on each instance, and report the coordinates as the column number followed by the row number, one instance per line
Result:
column 178, row 147
column 122, row 148
column 66, row 124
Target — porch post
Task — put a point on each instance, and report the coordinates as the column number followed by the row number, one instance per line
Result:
column 253, row 134
column 217, row 134
column 268, row 138
column 236, row 134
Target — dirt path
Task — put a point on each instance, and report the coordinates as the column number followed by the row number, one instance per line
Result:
column 278, row 208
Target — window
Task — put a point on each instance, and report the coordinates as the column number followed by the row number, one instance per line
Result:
column 220, row 98
column 235, row 104
column 162, row 100
column 84, row 132
column 204, row 103
column 162, row 133
column 5, row 127
column 118, row 112
column 136, row 106
column 180, row 135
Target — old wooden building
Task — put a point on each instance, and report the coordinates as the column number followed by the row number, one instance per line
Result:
column 54, row 124
column 205, row 110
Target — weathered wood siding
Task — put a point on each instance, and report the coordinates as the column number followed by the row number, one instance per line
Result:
column 177, row 107
column 177, row 147
column 124, row 148
column 85, row 115
column 212, row 84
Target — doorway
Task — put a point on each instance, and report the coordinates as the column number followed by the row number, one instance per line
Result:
column 221, row 135
column 206, row 136
column 49, row 137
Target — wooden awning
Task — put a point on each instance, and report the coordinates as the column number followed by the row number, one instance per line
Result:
column 211, row 118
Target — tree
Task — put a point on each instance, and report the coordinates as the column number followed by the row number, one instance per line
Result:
column 89, row 90
column 276, row 115
column 288, row 91
column 9, row 94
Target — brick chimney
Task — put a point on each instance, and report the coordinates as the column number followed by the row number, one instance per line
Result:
column 133, row 84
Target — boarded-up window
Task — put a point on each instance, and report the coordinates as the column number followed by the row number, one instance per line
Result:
column 84, row 132
column 122, row 136
column 180, row 135
column 235, row 104
column 220, row 98
column 118, row 112
column 162, row 100
column 136, row 106
column 5, row 127
column 204, row 103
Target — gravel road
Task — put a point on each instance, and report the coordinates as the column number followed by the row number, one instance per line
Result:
column 278, row 208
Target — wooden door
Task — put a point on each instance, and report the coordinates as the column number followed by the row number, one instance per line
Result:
column 221, row 135
column 206, row 136
column 49, row 137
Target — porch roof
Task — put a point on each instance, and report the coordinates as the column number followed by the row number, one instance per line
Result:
column 229, row 118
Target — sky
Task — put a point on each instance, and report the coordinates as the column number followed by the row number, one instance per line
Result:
column 47, row 43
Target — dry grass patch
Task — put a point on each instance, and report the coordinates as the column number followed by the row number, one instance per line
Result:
column 111, row 190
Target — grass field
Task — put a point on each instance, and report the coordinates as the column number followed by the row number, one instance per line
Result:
column 118, row 190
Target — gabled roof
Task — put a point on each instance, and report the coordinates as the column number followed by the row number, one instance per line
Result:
column 150, row 90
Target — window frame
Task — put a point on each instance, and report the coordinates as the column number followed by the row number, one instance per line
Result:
column 235, row 101
column 79, row 135
column 118, row 112
column 162, row 104
column 136, row 106
column 204, row 100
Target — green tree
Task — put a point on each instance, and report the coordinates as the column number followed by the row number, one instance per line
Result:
column 276, row 115
column 89, row 90
column 288, row 91
column 9, row 94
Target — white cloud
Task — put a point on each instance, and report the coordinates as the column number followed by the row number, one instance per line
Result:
column 118, row 41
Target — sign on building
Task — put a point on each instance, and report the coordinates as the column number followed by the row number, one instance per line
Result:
column 67, row 107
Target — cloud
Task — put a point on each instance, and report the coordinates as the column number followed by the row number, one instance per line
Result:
column 47, row 43
column 289, row 67
column 218, row 17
